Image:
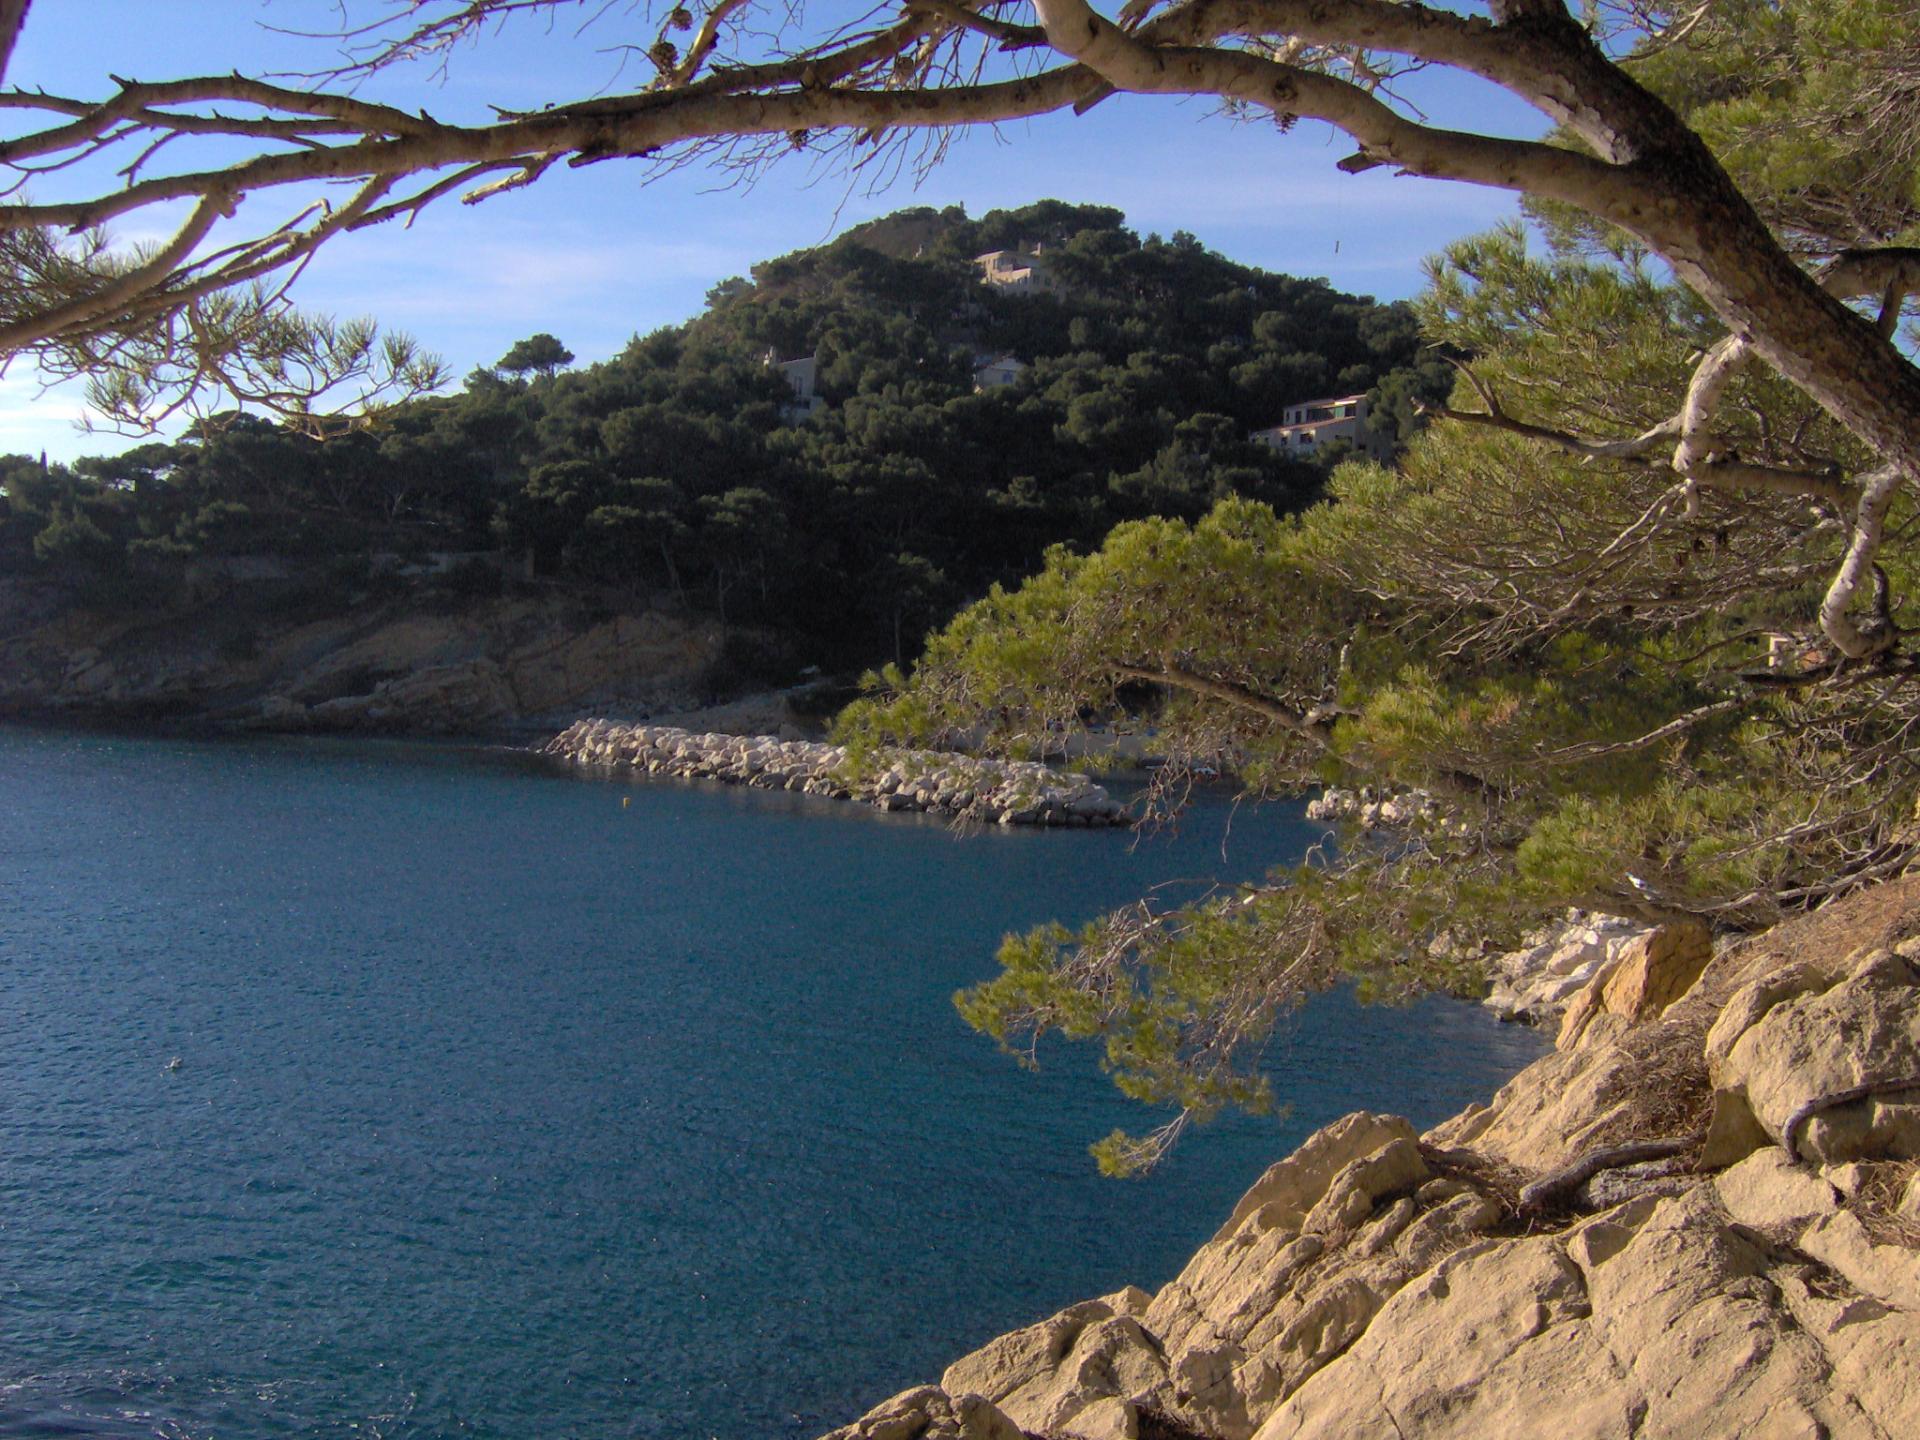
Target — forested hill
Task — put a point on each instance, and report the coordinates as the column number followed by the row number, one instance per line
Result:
column 688, row 471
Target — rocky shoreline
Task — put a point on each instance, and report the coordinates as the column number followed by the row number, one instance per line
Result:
column 961, row 787
column 1537, row 983
column 298, row 659
column 1698, row 1217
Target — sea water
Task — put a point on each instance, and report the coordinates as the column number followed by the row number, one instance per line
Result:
column 378, row 1090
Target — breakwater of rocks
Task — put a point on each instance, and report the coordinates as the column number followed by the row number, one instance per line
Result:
column 963, row 787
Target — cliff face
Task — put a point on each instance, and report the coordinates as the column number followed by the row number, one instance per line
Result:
column 400, row 666
column 1700, row 1217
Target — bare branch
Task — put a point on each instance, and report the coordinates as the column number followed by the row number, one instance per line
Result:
column 1315, row 724
column 702, row 45
column 1010, row 36
column 1857, row 641
column 1833, row 1099
column 1679, row 725
column 112, row 299
column 1630, row 448
column 1871, row 272
column 1702, row 466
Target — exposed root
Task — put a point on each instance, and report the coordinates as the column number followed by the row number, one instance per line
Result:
column 1549, row 1190
column 1833, row 1099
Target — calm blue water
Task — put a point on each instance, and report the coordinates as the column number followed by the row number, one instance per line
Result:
column 507, row 1110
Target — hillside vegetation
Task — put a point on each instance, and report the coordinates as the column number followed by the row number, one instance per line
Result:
column 685, row 473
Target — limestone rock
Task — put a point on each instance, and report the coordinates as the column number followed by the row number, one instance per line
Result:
column 1537, row 983
column 1045, row 1376
column 1811, row 1045
column 1562, row 1105
column 1751, row 1002
column 1890, row 1273
column 1578, row 1022
column 1874, row 1353
column 1450, row 1355
column 1304, row 1263
column 1394, row 1169
column 1655, row 1320
column 1109, row 1419
column 1291, row 1187
column 1874, row 1127
column 1449, row 1226
column 1649, row 972
column 929, row 1413
column 1656, row 969
column 506, row 662
column 1766, row 1190
column 1131, row 1300
column 1354, row 1292
column 1369, row 809
column 1732, row 1132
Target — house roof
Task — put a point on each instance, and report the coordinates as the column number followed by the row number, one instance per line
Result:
column 1309, row 425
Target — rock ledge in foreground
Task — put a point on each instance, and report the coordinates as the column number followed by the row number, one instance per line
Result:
column 1523, row 1271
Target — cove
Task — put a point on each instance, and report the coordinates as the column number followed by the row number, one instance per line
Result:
column 511, row 1103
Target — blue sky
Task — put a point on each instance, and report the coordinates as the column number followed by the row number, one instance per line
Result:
column 595, row 256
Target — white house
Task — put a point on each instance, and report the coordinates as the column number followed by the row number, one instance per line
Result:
column 992, row 372
column 1310, row 426
column 801, row 375
column 1018, row 272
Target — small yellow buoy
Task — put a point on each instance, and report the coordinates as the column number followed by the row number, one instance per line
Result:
column 624, row 800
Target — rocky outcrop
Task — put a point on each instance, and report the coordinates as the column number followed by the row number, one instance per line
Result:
column 424, row 665
column 1828, row 1067
column 928, row 1412
column 1536, row 983
column 1574, row 1259
column 963, row 787
column 1648, row 973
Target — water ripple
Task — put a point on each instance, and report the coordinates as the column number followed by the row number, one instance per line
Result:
column 502, row 1109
